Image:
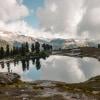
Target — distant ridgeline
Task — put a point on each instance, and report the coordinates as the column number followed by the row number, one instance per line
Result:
column 24, row 50
column 3, row 43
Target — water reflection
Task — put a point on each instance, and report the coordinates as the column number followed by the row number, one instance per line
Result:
column 8, row 66
column 2, row 65
column 38, row 65
column 59, row 68
column 24, row 63
column 16, row 62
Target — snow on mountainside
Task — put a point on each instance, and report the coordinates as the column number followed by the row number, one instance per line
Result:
column 16, row 38
column 73, row 43
column 12, row 37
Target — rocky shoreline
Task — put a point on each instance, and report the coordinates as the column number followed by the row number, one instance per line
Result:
column 12, row 88
column 8, row 78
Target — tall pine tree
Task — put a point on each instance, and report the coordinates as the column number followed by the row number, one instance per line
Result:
column 26, row 47
column 7, row 50
column 37, row 47
column 2, row 53
column 32, row 47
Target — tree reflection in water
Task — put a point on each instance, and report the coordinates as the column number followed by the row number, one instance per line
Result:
column 2, row 65
column 16, row 62
column 38, row 65
column 23, row 65
column 8, row 67
column 33, row 61
column 24, row 62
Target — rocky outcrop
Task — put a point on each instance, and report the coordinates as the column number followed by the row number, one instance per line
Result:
column 8, row 78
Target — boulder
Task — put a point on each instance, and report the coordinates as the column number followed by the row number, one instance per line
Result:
column 8, row 78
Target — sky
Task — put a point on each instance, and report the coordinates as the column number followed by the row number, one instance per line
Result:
column 51, row 18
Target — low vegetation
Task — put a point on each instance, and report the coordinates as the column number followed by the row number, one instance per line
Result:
column 51, row 90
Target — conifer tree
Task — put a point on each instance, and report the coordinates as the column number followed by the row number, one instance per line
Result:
column 37, row 47
column 7, row 50
column 23, row 50
column 2, row 52
column 26, row 47
column 32, row 48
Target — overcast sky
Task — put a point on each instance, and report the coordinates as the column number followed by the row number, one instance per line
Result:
column 51, row 18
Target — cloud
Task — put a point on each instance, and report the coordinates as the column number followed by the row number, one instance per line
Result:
column 60, row 16
column 23, row 28
column 12, row 9
column 12, row 13
column 57, row 18
column 90, row 23
column 77, row 18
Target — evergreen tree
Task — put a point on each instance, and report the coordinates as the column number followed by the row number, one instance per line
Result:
column 2, row 52
column 44, row 46
column 11, row 52
column 7, row 50
column 14, row 50
column 32, row 48
column 51, row 47
column 37, row 47
column 23, row 50
column 98, row 45
column 27, row 47
column 17, row 50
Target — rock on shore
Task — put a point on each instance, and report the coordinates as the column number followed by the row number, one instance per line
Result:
column 7, row 78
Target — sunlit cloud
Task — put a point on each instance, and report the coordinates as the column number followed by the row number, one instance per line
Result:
column 12, row 10
column 56, row 19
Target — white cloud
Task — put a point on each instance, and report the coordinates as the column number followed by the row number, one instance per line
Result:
column 53, row 7
column 90, row 22
column 76, row 18
column 22, row 27
column 57, row 18
column 11, row 14
column 12, row 10
column 60, row 16
column 95, row 16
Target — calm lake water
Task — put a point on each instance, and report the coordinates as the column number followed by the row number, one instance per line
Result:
column 58, row 68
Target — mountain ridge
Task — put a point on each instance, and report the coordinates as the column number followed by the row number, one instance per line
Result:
column 16, row 38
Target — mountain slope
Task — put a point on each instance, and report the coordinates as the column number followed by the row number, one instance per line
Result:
column 17, row 38
column 12, row 37
column 72, row 43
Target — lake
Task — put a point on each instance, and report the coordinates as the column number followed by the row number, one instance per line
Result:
column 56, row 68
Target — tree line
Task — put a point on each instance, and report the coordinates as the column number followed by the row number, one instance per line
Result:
column 23, row 49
